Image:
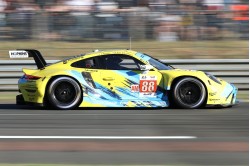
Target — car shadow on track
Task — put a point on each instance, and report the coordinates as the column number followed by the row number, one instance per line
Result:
column 14, row 106
column 27, row 107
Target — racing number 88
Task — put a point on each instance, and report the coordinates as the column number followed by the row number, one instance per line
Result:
column 148, row 86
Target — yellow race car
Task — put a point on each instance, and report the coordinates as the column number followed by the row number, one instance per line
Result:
column 118, row 78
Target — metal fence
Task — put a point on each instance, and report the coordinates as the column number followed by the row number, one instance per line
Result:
column 165, row 21
column 235, row 71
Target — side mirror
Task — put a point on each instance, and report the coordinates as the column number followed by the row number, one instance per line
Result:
column 146, row 67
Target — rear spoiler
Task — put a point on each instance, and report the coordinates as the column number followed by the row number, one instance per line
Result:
column 26, row 53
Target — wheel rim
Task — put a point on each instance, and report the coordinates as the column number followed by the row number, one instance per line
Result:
column 65, row 93
column 190, row 93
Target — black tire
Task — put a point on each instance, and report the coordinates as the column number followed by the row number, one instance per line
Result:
column 189, row 93
column 64, row 93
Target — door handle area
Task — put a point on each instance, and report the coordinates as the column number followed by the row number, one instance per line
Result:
column 108, row 79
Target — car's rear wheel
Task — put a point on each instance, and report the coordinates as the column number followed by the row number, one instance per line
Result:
column 64, row 93
column 189, row 93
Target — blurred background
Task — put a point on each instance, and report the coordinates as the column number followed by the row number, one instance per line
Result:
column 162, row 28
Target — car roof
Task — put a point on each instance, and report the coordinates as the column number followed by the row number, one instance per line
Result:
column 94, row 53
column 114, row 51
column 104, row 52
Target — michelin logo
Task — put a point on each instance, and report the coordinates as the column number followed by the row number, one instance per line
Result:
column 18, row 54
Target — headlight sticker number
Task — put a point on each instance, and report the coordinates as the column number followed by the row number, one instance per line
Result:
column 148, row 86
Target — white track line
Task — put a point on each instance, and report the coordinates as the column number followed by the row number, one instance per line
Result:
column 142, row 114
column 101, row 137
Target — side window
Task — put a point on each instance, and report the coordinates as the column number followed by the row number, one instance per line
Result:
column 91, row 63
column 121, row 62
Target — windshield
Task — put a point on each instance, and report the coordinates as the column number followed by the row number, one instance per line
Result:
column 157, row 64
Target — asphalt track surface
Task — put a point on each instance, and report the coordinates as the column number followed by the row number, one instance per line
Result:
column 125, row 136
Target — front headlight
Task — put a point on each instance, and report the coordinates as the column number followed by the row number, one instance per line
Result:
column 213, row 78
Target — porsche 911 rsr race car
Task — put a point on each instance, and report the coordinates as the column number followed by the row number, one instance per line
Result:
column 118, row 78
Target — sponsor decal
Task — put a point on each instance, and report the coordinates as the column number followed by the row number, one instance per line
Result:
column 143, row 94
column 212, row 93
column 18, row 54
column 134, row 88
column 214, row 99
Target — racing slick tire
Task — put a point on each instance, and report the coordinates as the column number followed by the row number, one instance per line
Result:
column 189, row 92
column 64, row 93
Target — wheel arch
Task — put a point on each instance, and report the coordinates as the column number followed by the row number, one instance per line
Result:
column 175, row 80
column 45, row 100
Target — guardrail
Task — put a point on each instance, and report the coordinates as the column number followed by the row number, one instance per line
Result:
column 235, row 71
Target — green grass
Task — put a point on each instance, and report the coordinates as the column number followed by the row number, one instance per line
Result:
column 218, row 49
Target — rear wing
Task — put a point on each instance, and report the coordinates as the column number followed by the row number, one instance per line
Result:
column 26, row 53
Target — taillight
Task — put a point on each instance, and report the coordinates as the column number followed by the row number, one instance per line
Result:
column 30, row 77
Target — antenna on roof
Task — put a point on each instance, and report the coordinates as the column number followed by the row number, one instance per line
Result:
column 130, row 42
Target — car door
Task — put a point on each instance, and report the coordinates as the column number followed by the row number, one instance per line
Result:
column 130, row 82
column 96, row 80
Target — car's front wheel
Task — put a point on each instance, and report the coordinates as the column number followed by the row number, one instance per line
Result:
column 189, row 93
column 64, row 93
